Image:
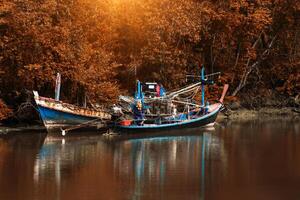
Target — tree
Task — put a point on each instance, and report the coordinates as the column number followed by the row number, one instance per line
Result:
column 101, row 46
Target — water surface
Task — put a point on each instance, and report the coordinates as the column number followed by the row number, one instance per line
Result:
column 238, row 160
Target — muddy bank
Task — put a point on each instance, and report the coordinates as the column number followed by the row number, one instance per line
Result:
column 14, row 130
column 262, row 113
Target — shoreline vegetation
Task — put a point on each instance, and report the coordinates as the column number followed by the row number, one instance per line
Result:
column 101, row 48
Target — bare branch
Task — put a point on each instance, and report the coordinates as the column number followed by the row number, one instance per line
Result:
column 249, row 69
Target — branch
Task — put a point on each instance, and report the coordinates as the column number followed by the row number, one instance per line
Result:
column 248, row 70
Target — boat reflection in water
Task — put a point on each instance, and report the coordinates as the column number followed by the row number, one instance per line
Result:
column 251, row 160
column 17, row 160
column 106, row 167
column 165, row 167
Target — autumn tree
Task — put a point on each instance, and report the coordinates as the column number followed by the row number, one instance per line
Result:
column 42, row 38
column 101, row 46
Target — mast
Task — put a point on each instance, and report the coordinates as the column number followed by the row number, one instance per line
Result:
column 57, row 86
column 139, row 93
column 202, row 85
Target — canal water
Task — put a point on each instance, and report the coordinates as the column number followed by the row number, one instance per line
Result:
column 236, row 160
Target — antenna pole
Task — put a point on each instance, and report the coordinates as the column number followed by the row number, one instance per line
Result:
column 57, row 86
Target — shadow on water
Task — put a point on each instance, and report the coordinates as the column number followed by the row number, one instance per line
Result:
column 237, row 160
column 162, row 167
column 123, row 167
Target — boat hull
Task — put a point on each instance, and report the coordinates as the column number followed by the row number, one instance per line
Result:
column 54, row 119
column 206, row 120
column 57, row 115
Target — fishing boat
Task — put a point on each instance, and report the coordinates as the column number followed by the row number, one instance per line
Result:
column 192, row 115
column 58, row 115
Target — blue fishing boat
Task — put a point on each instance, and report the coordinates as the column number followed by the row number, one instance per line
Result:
column 195, row 120
column 58, row 115
column 192, row 115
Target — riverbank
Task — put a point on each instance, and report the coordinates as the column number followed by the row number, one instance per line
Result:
column 263, row 113
column 240, row 114
column 15, row 130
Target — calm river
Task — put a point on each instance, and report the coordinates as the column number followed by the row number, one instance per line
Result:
column 237, row 160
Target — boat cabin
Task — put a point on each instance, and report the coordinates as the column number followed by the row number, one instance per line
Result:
column 153, row 89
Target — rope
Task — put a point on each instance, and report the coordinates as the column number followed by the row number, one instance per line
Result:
column 81, row 125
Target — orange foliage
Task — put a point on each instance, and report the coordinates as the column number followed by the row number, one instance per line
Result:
column 4, row 110
column 102, row 46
